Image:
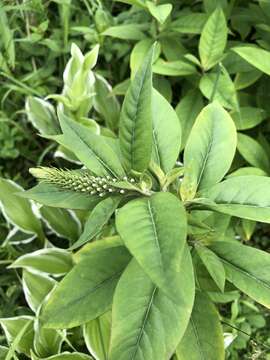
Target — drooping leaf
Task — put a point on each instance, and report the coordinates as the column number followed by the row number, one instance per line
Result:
column 146, row 323
column 255, row 56
column 212, row 138
column 154, row 228
column 242, row 196
column 247, row 268
column 97, row 336
column 166, row 134
column 203, row 338
column 86, row 291
column 213, row 265
column 213, row 39
column 135, row 132
column 17, row 210
column 97, row 219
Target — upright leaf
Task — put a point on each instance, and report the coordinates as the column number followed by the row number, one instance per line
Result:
column 247, row 268
column 203, row 338
column 213, row 39
column 147, row 323
column 154, row 228
column 87, row 291
column 210, row 148
column 166, row 133
column 135, row 132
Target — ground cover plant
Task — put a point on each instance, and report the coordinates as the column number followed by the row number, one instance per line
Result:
column 134, row 195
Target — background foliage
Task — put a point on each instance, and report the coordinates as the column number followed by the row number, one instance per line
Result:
column 206, row 50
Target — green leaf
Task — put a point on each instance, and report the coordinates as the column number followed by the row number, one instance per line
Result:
column 91, row 149
column 135, row 132
column 255, row 56
column 220, row 87
column 242, row 196
column 97, row 336
column 42, row 115
column 253, row 152
column 192, row 23
column 154, row 228
column 212, row 139
column 166, row 134
column 86, row 291
column 19, row 331
column 248, row 117
column 127, row 32
column 159, row 12
column 64, row 356
column 36, row 287
column 213, row 265
column 138, row 54
column 147, row 323
column 62, row 222
column 97, row 219
column 105, row 103
column 213, row 39
column 51, row 195
column 247, row 268
column 7, row 41
column 180, row 67
column 17, row 210
column 203, row 338
column 187, row 111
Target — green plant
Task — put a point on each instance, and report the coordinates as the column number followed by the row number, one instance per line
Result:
column 161, row 265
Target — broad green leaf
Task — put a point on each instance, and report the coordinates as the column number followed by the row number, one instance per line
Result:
column 64, row 356
column 51, row 261
column 135, row 132
column 91, row 149
column 192, row 23
column 42, row 115
column 203, row 338
column 97, row 219
column 51, row 195
column 211, row 5
column 219, row 87
column 61, row 221
column 17, row 210
column 242, row 196
column 159, row 12
column 259, row 58
column 97, row 336
column 246, row 79
column 129, row 31
column 21, row 326
column 166, row 134
column 187, row 110
column 180, row 67
column 154, row 228
column 105, row 103
column 95, row 246
column 213, row 39
column 248, row 117
column 253, row 152
column 212, row 139
column 247, row 268
column 138, row 54
column 86, row 291
column 248, row 170
column 213, row 265
column 147, row 323
column 36, row 287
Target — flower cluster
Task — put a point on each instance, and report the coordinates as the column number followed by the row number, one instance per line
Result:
column 80, row 181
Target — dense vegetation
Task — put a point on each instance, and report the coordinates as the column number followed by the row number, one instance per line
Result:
column 134, row 179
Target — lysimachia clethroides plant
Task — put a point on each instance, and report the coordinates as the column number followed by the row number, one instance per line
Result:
column 168, row 253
